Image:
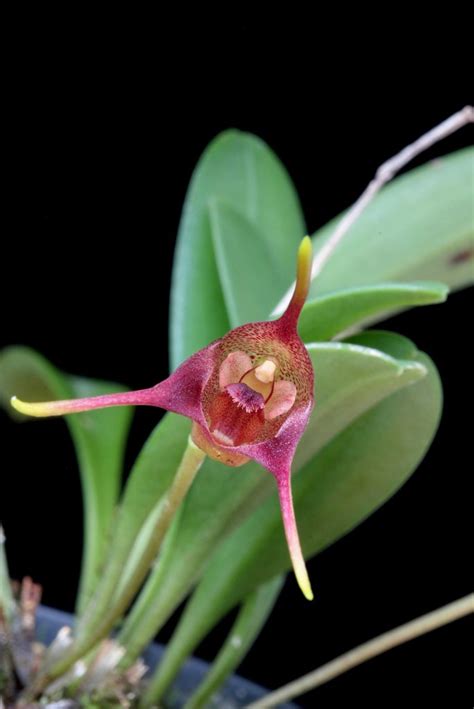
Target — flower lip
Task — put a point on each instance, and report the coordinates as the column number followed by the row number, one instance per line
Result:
column 245, row 397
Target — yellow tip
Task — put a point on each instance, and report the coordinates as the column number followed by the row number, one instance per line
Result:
column 37, row 409
column 305, row 261
column 303, row 271
column 303, row 581
column 305, row 251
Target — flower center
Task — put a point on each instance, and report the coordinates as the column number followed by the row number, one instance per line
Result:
column 237, row 415
column 249, row 396
column 261, row 378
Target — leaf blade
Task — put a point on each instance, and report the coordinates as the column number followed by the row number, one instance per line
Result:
column 240, row 170
column 333, row 313
column 251, row 280
column 99, row 439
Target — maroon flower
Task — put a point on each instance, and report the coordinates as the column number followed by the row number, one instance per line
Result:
column 249, row 395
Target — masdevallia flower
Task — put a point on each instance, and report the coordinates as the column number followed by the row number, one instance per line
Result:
column 249, row 395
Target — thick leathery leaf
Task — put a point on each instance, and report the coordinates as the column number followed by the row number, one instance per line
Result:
column 250, row 277
column 391, row 343
column 334, row 313
column 99, row 439
column 240, row 170
column 364, row 375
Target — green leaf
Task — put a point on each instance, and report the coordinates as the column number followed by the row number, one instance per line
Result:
column 337, row 489
column 250, row 277
column 99, row 438
column 353, row 379
column 349, row 380
column 332, row 314
column 252, row 616
column 419, row 227
column 390, row 343
column 239, row 170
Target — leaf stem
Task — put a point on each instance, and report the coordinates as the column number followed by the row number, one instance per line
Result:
column 191, row 462
column 362, row 653
column 383, row 175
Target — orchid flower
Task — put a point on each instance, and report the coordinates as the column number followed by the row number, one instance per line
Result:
column 249, row 395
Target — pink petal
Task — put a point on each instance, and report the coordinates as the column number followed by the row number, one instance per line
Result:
column 282, row 399
column 292, row 538
column 180, row 393
column 74, row 406
column 276, row 455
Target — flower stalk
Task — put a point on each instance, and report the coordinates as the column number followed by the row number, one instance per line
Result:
column 404, row 633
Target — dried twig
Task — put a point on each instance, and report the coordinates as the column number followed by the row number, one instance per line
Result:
column 7, row 602
column 30, row 598
column 25, row 651
column 387, row 641
column 383, row 175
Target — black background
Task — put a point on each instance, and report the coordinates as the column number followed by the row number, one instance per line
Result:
column 103, row 131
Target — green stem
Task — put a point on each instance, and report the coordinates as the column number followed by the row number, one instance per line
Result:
column 139, row 500
column 134, row 558
column 170, row 581
column 138, row 628
column 99, row 505
column 192, row 460
column 362, row 653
